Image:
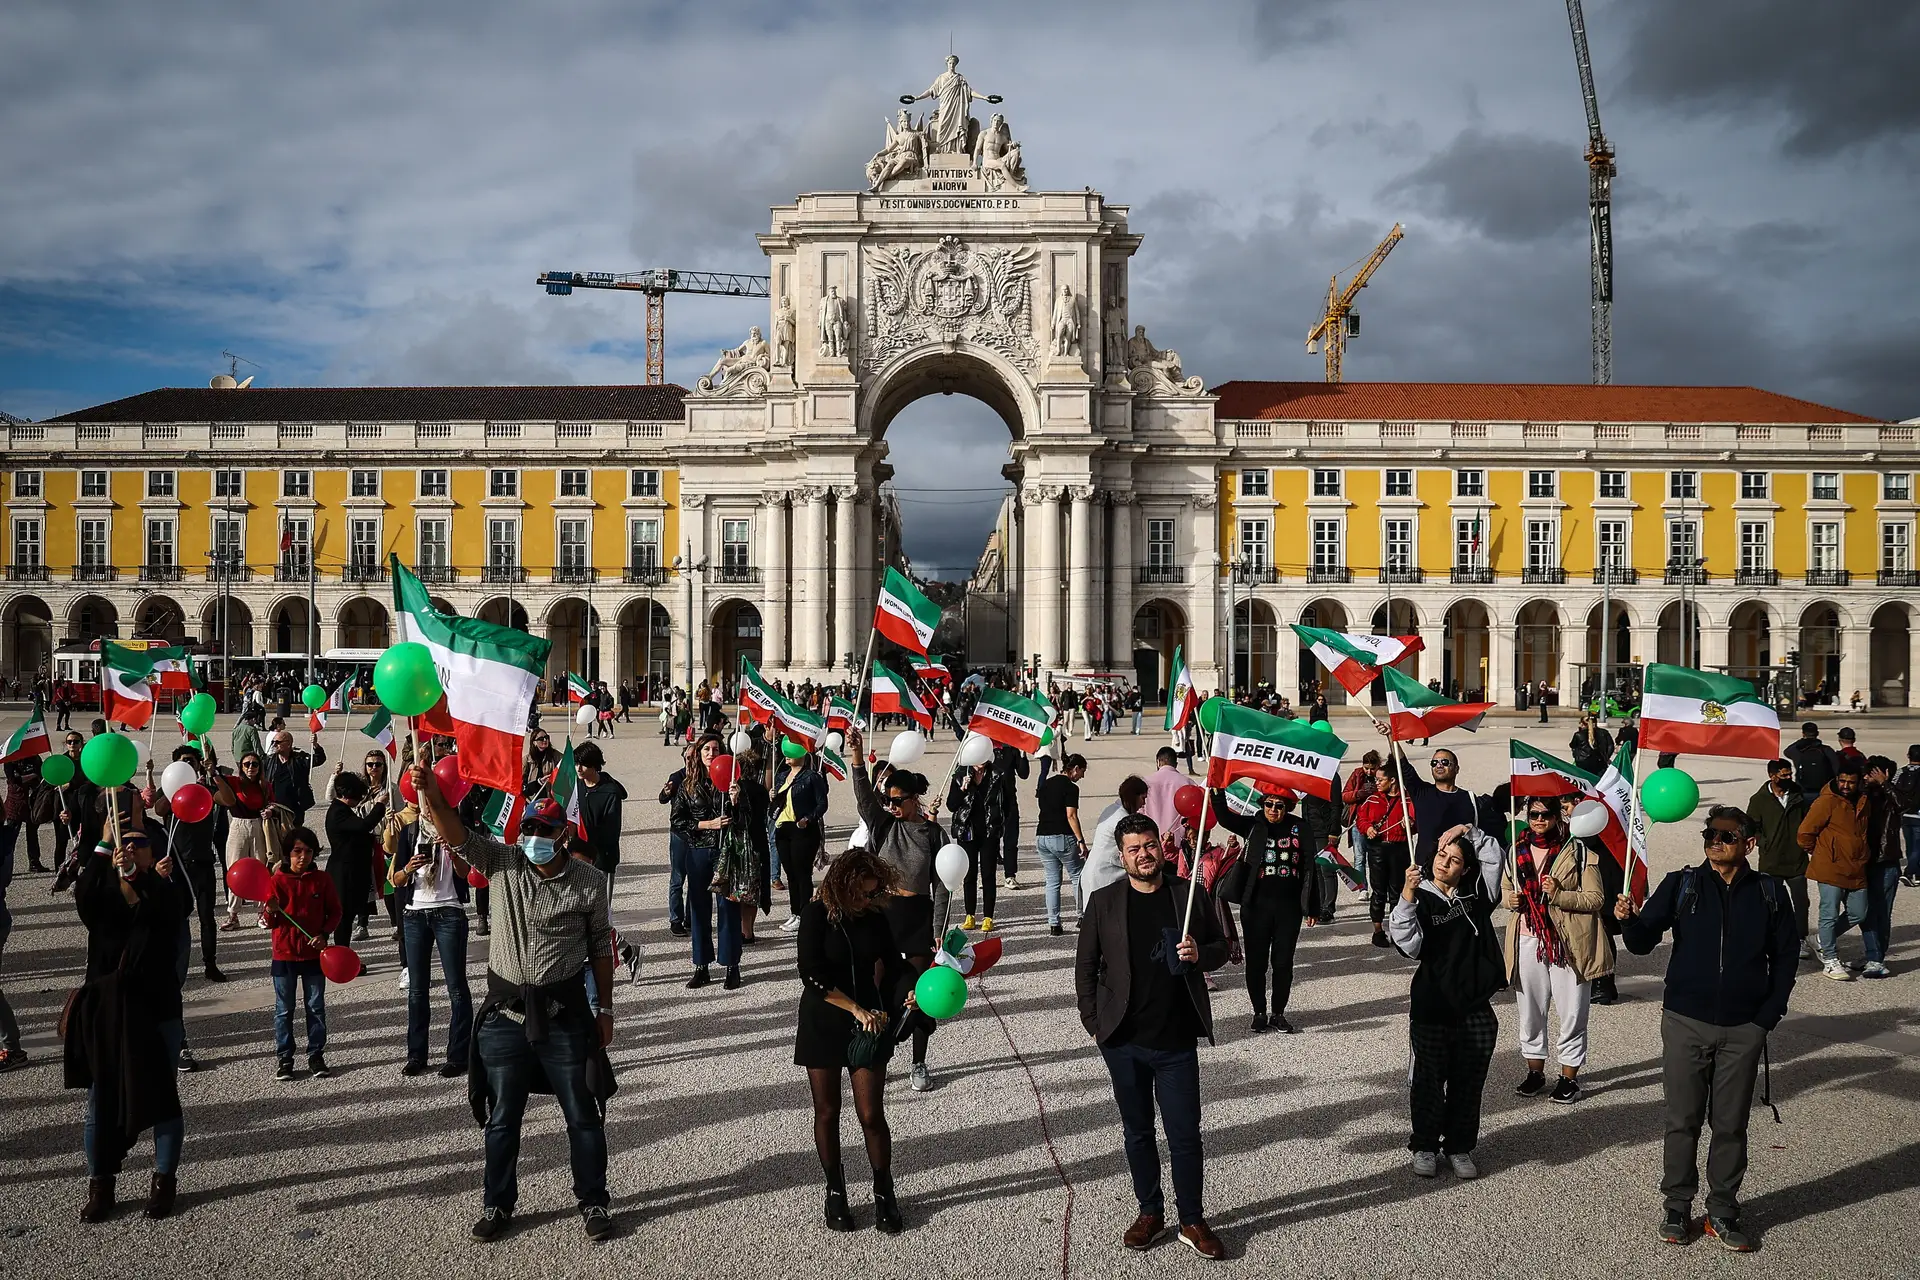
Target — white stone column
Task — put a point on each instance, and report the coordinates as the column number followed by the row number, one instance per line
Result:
column 690, row 609
column 1433, row 651
column 1015, row 569
column 864, row 573
column 1081, row 600
column 1206, row 654
column 1713, row 646
column 1044, row 576
column 773, row 578
column 843, row 573
column 810, row 616
column 1502, row 641
column 1120, row 577
column 1856, row 663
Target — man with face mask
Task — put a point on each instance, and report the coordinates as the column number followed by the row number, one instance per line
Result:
column 536, row 1028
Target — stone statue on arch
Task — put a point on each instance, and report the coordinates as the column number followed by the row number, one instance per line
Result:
column 951, row 129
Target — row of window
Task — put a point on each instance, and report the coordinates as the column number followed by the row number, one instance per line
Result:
column 1328, row 543
column 1471, row 482
column 432, row 482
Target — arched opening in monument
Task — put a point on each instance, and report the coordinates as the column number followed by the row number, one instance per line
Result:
column 363, row 624
column 646, row 652
column 1255, row 645
column 734, row 633
column 1820, row 651
column 234, row 636
column 1538, row 643
column 1330, row 615
column 1750, row 641
column 1159, row 628
column 1469, row 634
column 1889, row 667
column 28, row 627
column 1399, row 618
column 290, row 629
column 573, row 627
column 1668, row 645
column 503, row 611
column 159, row 618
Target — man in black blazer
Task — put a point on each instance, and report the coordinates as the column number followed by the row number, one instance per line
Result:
column 1143, row 997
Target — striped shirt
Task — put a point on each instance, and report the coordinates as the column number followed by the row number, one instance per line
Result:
column 544, row 930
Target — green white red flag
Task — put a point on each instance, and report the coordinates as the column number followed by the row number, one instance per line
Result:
column 565, row 791
column 1625, row 838
column 336, row 701
column 904, row 615
column 490, row 675
column 1273, row 753
column 933, row 671
column 969, row 958
column 894, row 696
column 1182, row 698
column 1535, row 773
column 380, row 729
column 1009, row 719
column 1703, row 713
column 832, row 763
column 172, row 668
column 30, row 739
column 840, row 714
column 577, row 690
column 772, row 707
column 126, row 687
column 502, row 813
column 1415, row 711
column 1355, row 659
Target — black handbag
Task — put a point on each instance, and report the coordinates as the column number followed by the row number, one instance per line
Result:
column 864, row 1048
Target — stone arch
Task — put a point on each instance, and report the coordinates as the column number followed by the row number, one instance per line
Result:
column 1753, row 640
column 159, row 617
column 1159, row 627
column 646, row 651
column 1890, row 655
column 1467, row 658
column 363, row 623
column 26, row 637
column 1331, row 614
column 573, row 625
column 1404, row 622
column 503, row 611
column 290, row 627
column 92, row 618
column 1537, row 645
column 1820, row 636
column 931, row 369
column 1256, row 644
column 1672, row 643
column 236, row 639
column 733, row 631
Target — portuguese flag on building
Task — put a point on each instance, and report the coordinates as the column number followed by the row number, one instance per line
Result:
column 1354, row 659
column 1182, row 699
column 1273, row 753
column 1702, row 713
column 1009, row 719
column 577, row 690
column 1415, row 711
column 894, row 696
column 489, row 673
column 904, row 615
column 126, row 685
column 1535, row 773
column 30, row 739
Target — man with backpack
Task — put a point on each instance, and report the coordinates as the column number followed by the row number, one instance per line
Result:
column 1735, row 944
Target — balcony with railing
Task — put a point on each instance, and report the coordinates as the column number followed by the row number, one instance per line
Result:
column 159, row 573
column 1152, row 575
column 1694, row 575
column 734, row 574
column 1471, row 574
column 437, row 573
column 292, row 571
column 645, row 575
column 1752, row 577
column 1544, row 575
column 365, row 571
column 94, row 573
column 1255, row 575
column 1898, row 578
column 1329, row 573
column 1829, row 577
column 1618, row 575
column 1403, row 574
column 574, row 573
column 502, row 573
column 26, row 573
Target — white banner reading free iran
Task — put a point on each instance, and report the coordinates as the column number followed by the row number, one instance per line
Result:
column 1283, row 753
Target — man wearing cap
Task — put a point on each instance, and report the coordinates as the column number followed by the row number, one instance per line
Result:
column 1848, row 751
column 536, row 1029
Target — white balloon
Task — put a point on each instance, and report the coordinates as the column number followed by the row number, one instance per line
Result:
column 741, row 742
column 1589, row 819
column 836, row 741
column 587, row 714
column 950, row 864
column 907, row 747
column 977, row 749
column 175, row 776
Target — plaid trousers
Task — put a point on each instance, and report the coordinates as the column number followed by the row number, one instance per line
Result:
column 1448, row 1075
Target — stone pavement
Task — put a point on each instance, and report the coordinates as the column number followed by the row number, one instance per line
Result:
column 713, row 1172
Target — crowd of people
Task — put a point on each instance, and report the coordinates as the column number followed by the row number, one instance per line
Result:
column 1159, row 907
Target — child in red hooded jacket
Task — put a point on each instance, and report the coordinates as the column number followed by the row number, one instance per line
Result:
column 304, row 908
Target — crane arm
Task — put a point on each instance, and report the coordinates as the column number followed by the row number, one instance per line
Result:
column 1576, row 18
column 1378, row 256
column 659, row 280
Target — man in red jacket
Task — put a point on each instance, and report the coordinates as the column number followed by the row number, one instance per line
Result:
column 304, row 909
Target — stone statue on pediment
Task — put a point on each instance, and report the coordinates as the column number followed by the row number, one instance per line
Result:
column 740, row 370
column 1066, row 322
column 783, row 333
column 903, row 156
column 951, row 128
column 835, row 328
column 1157, row 372
column 998, row 156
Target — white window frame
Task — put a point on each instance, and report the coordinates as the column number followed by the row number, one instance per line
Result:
column 512, row 525
column 1392, row 488
column 567, row 475
column 1817, row 562
column 1896, row 546
column 1756, row 546
column 229, row 483
column 1612, row 485
column 1756, row 486
column 29, row 484
column 1691, row 525
column 503, row 482
column 1683, row 486
column 237, row 544
column 1329, row 482
column 635, row 542
column 1601, row 544
column 89, row 478
column 1338, row 542
column 433, row 482
column 354, row 476
column 729, row 557
column 356, row 525
column 1412, row 550
column 1465, row 556
column 1538, row 488
column 1904, row 479
column 567, row 552
column 1470, row 482
column 1813, row 486
column 296, row 484
column 299, row 554
column 1551, row 543
column 643, row 482
column 1161, row 534
column 1254, row 545
column 103, row 546
column 440, row 557
column 29, row 552
column 169, row 544
column 163, row 484
column 1256, row 482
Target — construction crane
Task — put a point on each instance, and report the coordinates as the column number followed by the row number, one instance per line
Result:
column 1342, row 322
column 1600, row 172
column 657, row 284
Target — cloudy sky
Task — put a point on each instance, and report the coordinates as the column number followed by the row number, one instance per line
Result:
column 362, row 192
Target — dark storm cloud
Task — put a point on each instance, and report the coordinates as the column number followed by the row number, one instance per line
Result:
column 1506, row 186
column 1837, row 73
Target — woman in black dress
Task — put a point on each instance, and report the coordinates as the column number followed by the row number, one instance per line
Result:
column 351, row 827
column 853, row 980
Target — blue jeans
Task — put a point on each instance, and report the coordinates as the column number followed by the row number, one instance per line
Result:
column 423, row 931
column 676, row 880
column 1140, row 1076
column 168, row 1135
column 1136, row 722
column 512, row 1065
column 1910, row 825
column 1059, row 854
column 1840, row 910
column 701, row 906
column 1883, row 881
column 313, row 987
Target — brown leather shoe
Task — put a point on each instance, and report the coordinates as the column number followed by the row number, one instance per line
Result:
column 99, row 1200
column 1199, row 1237
column 1145, row 1230
column 160, row 1196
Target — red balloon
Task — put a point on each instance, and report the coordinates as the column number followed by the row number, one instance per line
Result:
column 407, row 791
column 1187, row 802
column 249, row 880
column 341, row 964
column 192, row 803
column 477, row 879
column 720, row 772
column 986, row 953
column 447, row 773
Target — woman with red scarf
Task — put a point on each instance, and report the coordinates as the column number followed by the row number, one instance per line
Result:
column 1387, row 824
column 1556, row 944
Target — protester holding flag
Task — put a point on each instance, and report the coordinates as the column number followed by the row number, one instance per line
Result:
column 1556, row 944
column 430, row 873
column 700, row 815
column 1271, row 886
column 1383, row 819
column 353, row 819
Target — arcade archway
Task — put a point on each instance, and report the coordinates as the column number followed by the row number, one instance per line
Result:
column 1330, row 615
column 503, row 611
column 1889, row 667
column 363, row 624
column 234, row 636
column 1820, row 626
column 733, row 633
column 92, row 618
column 646, row 652
column 1537, row 646
column 1159, row 628
column 1469, row 651
column 26, row 626
column 1255, row 645
column 159, row 618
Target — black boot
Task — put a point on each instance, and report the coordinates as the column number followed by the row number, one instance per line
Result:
column 839, row 1216
column 886, row 1210
column 99, row 1200
column 700, row 977
column 160, row 1196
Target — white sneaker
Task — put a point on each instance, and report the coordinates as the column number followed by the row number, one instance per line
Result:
column 1463, row 1167
column 790, row 925
column 1426, row 1163
column 922, row 1078
column 1837, row 971
column 1876, row 969
column 403, row 979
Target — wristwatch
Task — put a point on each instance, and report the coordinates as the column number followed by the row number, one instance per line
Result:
column 601, row 1011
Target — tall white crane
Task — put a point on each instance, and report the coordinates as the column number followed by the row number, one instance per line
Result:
column 1600, row 172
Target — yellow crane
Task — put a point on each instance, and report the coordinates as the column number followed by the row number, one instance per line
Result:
column 1342, row 322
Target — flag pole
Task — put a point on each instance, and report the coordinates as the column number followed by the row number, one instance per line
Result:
column 345, row 720
column 1199, row 850
column 866, row 681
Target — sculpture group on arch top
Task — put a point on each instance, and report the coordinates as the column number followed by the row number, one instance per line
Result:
column 951, row 291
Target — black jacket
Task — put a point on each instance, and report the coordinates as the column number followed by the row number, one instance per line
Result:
column 1735, row 945
column 1292, row 839
column 1103, row 969
column 1814, row 764
column 291, row 784
column 1596, row 755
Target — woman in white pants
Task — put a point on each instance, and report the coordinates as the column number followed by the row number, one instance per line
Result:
column 1556, row 944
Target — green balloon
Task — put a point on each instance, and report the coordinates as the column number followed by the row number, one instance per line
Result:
column 197, row 716
column 1322, row 726
column 1516, row 831
column 313, row 697
column 1669, row 795
column 791, row 749
column 57, row 770
column 1210, row 714
column 109, row 759
column 404, row 679
column 941, row 992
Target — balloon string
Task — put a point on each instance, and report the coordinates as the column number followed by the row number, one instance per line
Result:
column 1046, row 1129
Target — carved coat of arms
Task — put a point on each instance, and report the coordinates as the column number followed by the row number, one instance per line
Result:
column 952, row 292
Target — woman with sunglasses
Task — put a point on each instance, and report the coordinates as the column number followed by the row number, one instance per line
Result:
column 700, row 817
column 851, row 979
column 1387, row 825
column 246, row 837
column 1271, row 885
column 1556, row 944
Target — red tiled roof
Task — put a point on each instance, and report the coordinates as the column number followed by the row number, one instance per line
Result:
column 392, row 404
column 1514, row 402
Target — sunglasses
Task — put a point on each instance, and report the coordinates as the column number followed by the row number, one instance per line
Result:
column 1717, row 836
column 894, row 802
column 249, row 764
column 1273, row 804
column 1441, row 762
column 76, row 742
column 1533, row 814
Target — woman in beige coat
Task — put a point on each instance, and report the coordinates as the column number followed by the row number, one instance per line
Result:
column 1556, row 944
